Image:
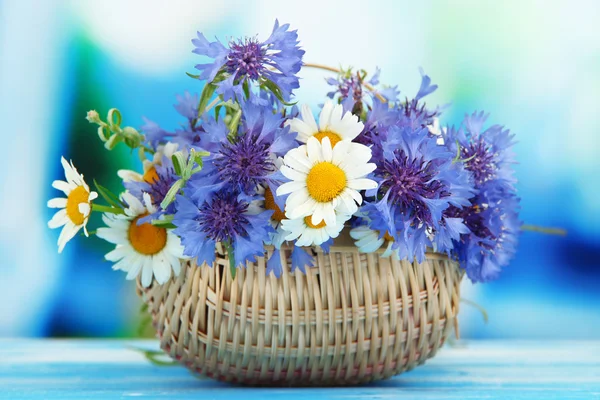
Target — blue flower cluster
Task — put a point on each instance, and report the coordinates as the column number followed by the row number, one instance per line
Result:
column 451, row 190
column 447, row 189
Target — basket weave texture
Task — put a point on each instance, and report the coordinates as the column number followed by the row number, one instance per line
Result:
column 353, row 318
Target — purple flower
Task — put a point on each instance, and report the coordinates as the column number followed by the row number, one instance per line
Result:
column 301, row 259
column 414, row 113
column 417, row 182
column 274, row 263
column 222, row 216
column 186, row 106
column 154, row 134
column 353, row 91
column 486, row 153
column 278, row 59
column 247, row 161
column 494, row 226
column 492, row 216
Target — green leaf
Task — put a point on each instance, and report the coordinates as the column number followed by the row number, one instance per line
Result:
column 233, row 124
column 170, row 196
column 178, row 162
column 273, row 88
column 207, row 93
column 165, row 222
column 192, row 75
column 108, row 196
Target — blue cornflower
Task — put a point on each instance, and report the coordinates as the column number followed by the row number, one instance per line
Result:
column 486, row 153
column 492, row 216
column 223, row 216
column 188, row 135
column 417, row 182
column 354, row 92
column 414, row 113
column 278, row 59
column 494, row 228
column 187, row 105
column 248, row 160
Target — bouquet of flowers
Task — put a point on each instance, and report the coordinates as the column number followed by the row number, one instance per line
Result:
column 249, row 168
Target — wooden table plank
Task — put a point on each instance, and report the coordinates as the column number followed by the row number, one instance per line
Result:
column 100, row 369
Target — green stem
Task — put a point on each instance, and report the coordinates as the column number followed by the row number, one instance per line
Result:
column 107, row 209
column 542, row 229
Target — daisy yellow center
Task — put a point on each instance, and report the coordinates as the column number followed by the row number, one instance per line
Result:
column 146, row 238
column 151, row 176
column 77, row 196
column 270, row 204
column 333, row 137
column 308, row 222
column 325, row 182
column 388, row 237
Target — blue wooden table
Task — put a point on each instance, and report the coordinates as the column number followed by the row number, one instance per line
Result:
column 104, row 369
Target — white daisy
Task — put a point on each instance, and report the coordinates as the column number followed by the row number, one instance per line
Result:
column 331, row 124
column 149, row 175
column 368, row 241
column 75, row 209
column 325, row 181
column 141, row 248
column 313, row 235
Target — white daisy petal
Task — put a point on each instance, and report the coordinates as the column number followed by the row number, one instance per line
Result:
column 313, row 149
column 93, row 196
column 303, row 129
column 326, row 149
column 362, row 184
column 71, row 175
column 355, row 171
column 84, row 209
column 300, row 164
column 137, row 263
column 62, row 186
column 117, row 254
column 59, row 202
column 162, row 269
column 325, row 116
column 67, row 233
column 292, row 173
column 308, row 118
column 303, row 210
column 288, row 187
column 336, row 115
column 147, row 272
column 130, row 176
column 114, row 236
column 318, row 214
column 58, row 220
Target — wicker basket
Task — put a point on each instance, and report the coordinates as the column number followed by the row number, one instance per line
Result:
column 353, row 318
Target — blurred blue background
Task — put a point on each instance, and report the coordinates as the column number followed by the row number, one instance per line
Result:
column 534, row 65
